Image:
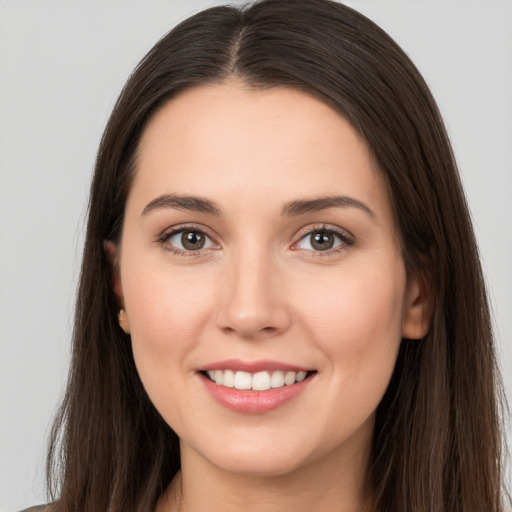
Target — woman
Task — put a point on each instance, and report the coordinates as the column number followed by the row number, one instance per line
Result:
column 281, row 305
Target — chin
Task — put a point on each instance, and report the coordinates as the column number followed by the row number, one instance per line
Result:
column 260, row 465
column 268, row 456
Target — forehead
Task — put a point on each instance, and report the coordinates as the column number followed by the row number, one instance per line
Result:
column 234, row 113
column 230, row 141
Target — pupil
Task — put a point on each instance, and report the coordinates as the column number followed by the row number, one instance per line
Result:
column 322, row 241
column 192, row 240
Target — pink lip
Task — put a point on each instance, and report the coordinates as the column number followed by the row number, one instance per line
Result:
column 254, row 402
column 252, row 366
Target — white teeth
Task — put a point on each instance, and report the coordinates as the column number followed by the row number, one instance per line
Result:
column 289, row 378
column 229, row 379
column 243, row 380
column 277, row 380
column 300, row 376
column 260, row 381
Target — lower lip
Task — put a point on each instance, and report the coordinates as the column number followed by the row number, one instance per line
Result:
column 254, row 402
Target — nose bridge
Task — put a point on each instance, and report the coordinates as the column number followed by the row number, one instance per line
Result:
column 252, row 302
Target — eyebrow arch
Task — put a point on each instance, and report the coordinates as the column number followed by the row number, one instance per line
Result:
column 291, row 209
column 194, row 204
column 302, row 206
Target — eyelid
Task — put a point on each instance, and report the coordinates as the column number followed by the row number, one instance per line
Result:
column 345, row 236
column 347, row 239
column 168, row 233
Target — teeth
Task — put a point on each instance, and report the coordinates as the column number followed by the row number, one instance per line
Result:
column 277, row 380
column 260, row 381
column 243, row 380
column 229, row 379
column 300, row 376
column 289, row 378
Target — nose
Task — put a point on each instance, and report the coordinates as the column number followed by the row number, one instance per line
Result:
column 252, row 300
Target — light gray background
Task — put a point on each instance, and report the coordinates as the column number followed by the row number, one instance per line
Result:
column 62, row 65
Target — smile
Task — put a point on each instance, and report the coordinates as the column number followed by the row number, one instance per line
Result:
column 255, row 387
column 260, row 381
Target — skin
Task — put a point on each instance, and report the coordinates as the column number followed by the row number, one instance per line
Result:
column 259, row 290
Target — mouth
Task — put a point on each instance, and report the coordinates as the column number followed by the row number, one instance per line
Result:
column 255, row 387
column 257, row 381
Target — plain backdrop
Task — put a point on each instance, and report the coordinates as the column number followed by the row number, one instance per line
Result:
column 62, row 65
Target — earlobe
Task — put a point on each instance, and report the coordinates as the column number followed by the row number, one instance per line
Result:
column 112, row 256
column 418, row 309
column 124, row 322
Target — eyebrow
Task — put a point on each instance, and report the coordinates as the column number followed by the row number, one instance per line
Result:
column 189, row 203
column 303, row 206
column 291, row 209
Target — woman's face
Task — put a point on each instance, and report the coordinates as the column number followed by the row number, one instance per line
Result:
column 259, row 250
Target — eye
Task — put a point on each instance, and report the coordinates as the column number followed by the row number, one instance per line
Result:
column 188, row 240
column 322, row 240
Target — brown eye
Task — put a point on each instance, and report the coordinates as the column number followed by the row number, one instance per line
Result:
column 188, row 240
column 192, row 240
column 322, row 240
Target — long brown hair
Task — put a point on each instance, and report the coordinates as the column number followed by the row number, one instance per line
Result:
column 436, row 444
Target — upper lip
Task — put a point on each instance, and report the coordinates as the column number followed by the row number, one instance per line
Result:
column 252, row 366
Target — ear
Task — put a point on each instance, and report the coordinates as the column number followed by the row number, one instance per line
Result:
column 113, row 257
column 418, row 308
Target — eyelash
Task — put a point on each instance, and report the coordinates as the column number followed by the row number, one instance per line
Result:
column 164, row 240
column 345, row 239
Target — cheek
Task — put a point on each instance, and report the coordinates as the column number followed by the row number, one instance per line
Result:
column 356, row 321
column 167, row 314
column 356, row 317
column 167, row 310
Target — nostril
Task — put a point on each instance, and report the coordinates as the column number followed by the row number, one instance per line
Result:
column 249, row 330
